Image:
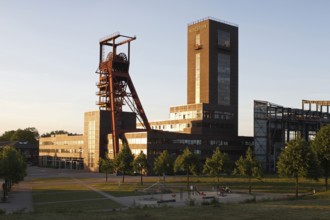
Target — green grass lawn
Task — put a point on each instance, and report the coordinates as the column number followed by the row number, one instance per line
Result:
column 69, row 196
column 66, row 198
column 309, row 207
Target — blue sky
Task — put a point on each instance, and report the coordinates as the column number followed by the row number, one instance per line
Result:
column 49, row 55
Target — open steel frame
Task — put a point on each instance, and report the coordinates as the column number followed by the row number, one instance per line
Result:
column 115, row 86
column 275, row 125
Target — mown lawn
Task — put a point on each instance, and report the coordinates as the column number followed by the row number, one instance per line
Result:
column 309, row 207
column 66, row 198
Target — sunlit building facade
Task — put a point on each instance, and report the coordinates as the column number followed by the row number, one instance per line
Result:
column 62, row 151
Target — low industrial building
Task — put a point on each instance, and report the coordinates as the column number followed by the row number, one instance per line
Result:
column 275, row 125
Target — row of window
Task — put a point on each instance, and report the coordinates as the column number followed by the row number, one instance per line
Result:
column 171, row 127
column 192, row 142
column 80, row 142
column 218, row 115
column 174, row 153
column 61, row 150
column 185, row 115
column 137, row 141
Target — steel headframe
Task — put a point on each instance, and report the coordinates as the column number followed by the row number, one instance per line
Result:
column 116, row 87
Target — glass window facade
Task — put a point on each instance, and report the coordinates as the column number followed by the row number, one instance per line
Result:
column 91, row 143
column 223, row 79
column 198, row 39
column 197, row 80
column 223, row 38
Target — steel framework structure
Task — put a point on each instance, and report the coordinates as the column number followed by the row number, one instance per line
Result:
column 115, row 86
column 275, row 125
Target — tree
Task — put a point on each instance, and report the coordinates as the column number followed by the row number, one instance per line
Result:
column 249, row 167
column 321, row 146
column 218, row 163
column 12, row 167
column 106, row 165
column 140, row 164
column 124, row 160
column 187, row 162
column 28, row 134
column 296, row 160
column 6, row 136
column 163, row 164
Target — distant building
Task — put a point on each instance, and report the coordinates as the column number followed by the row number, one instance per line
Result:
column 208, row 120
column 30, row 151
column 62, row 151
column 275, row 125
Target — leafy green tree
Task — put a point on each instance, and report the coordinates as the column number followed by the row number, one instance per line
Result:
column 249, row 167
column 219, row 162
column 321, row 146
column 140, row 164
column 6, row 136
column 124, row 161
column 28, row 134
column 12, row 167
column 187, row 162
column 163, row 164
column 297, row 160
column 107, row 166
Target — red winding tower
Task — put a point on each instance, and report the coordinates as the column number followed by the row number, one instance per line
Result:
column 116, row 88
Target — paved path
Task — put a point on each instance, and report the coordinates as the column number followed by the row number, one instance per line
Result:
column 19, row 200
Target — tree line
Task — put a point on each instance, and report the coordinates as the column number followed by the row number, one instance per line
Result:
column 187, row 163
column 29, row 134
column 299, row 159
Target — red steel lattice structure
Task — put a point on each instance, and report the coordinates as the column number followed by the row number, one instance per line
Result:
column 116, row 88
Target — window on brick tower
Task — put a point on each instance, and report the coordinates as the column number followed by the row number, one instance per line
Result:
column 223, row 38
